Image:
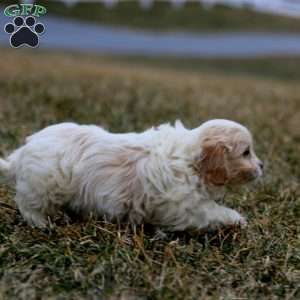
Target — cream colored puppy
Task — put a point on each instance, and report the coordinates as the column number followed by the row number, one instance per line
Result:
column 167, row 176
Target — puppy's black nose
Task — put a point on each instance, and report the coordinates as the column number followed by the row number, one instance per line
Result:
column 261, row 164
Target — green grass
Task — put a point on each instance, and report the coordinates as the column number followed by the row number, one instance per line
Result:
column 162, row 16
column 98, row 260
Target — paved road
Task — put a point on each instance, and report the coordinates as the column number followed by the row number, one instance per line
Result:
column 65, row 34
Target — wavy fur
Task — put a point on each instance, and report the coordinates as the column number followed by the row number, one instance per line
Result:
column 159, row 176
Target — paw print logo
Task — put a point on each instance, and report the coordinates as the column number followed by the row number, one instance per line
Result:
column 24, row 32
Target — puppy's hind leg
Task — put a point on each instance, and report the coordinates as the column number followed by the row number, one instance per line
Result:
column 31, row 208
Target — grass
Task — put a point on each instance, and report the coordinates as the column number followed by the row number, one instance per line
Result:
column 277, row 67
column 98, row 260
column 161, row 16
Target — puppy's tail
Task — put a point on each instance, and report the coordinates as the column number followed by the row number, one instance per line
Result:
column 5, row 169
column 4, row 166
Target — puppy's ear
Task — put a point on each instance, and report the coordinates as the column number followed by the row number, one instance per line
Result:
column 212, row 164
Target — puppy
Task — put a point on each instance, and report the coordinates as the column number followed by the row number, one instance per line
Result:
column 168, row 176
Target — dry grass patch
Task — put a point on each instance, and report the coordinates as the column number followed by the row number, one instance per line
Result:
column 97, row 260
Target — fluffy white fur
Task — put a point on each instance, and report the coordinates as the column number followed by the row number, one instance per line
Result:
column 167, row 176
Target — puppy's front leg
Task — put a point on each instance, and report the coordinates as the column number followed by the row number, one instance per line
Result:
column 220, row 216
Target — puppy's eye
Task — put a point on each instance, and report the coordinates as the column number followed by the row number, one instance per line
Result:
column 246, row 153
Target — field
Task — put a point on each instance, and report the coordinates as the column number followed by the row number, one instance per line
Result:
column 98, row 260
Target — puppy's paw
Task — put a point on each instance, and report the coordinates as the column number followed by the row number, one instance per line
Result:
column 236, row 220
column 35, row 219
column 243, row 222
column 159, row 235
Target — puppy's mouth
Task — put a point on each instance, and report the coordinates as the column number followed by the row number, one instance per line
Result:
column 245, row 177
column 259, row 172
column 256, row 175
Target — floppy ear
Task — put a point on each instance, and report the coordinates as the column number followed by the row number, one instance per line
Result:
column 212, row 164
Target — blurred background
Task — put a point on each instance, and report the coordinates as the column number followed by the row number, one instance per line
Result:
column 200, row 33
column 202, row 28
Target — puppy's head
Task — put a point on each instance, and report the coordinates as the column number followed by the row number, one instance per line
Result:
column 226, row 155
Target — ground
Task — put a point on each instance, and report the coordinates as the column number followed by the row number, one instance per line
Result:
column 97, row 260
